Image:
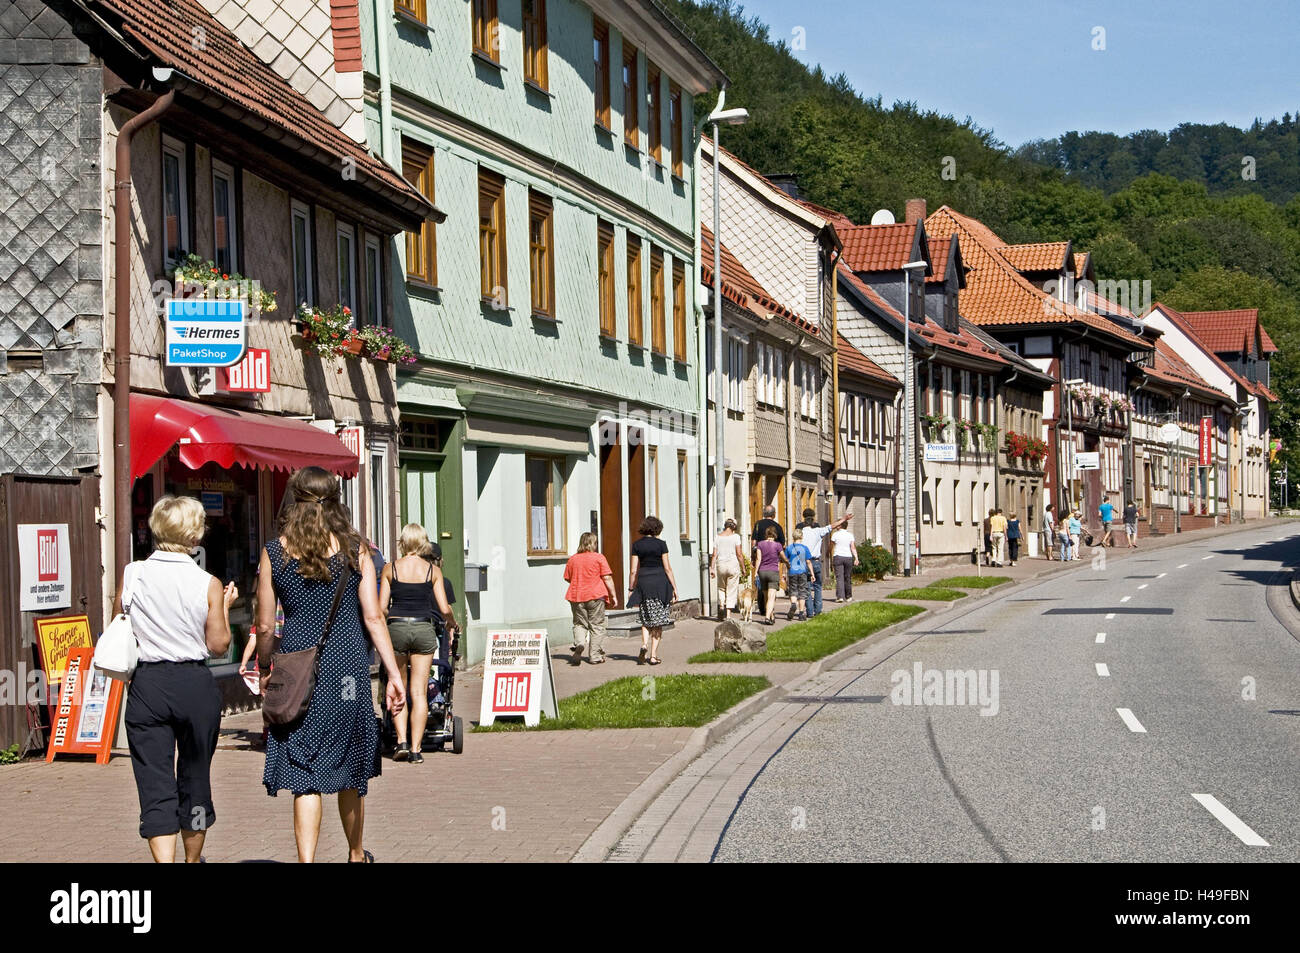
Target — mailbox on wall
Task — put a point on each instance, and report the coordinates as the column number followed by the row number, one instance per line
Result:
column 476, row 577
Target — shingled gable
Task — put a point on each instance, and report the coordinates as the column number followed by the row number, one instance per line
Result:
column 854, row 361
column 224, row 74
column 996, row 294
column 742, row 288
column 1179, row 320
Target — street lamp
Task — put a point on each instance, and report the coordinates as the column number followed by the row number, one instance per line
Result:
column 1068, row 398
column 726, row 117
column 909, row 410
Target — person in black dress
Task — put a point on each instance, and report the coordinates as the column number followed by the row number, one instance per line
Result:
column 652, row 585
column 331, row 750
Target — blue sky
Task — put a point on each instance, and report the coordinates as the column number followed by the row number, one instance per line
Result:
column 1026, row 69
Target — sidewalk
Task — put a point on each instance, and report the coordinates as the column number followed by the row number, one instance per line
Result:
column 511, row 796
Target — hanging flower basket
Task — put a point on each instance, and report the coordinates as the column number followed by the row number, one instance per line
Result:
column 383, row 344
column 328, row 333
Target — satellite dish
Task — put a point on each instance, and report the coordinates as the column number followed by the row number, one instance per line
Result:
column 883, row 217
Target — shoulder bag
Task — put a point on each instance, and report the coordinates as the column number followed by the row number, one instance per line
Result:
column 288, row 690
column 116, row 651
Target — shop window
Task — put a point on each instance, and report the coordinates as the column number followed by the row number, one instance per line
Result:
column 600, row 80
column 484, row 13
column 492, row 236
column 683, row 495
column 176, row 201
column 224, row 218
column 658, row 329
column 675, row 127
column 421, row 245
column 545, row 492
column 535, row 49
column 347, row 268
column 679, row 311
column 635, row 317
column 654, row 122
column 303, row 285
column 374, row 258
column 541, row 241
column 631, row 103
column 605, row 278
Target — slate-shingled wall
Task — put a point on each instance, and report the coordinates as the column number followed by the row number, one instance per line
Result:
column 51, row 295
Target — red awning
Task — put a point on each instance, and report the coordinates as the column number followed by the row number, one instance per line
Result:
column 218, row 435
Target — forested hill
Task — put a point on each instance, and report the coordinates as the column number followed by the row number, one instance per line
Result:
column 1202, row 243
column 1263, row 160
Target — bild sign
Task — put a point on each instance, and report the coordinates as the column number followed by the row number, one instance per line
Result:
column 204, row 333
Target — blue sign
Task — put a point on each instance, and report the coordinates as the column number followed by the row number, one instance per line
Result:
column 214, row 503
column 205, row 333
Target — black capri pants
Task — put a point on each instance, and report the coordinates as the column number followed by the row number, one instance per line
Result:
column 173, row 719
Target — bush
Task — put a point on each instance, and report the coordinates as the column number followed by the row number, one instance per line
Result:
column 10, row 755
column 876, row 560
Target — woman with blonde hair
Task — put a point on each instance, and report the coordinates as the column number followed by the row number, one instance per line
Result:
column 180, row 615
column 410, row 603
column 318, row 562
column 591, row 590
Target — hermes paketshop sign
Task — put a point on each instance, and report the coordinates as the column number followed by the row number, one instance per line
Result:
column 204, row 333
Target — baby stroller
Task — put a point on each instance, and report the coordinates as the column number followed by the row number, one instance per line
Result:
column 443, row 726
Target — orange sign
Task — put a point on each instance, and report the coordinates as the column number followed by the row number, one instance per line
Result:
column 86, row 718
column 56, row 637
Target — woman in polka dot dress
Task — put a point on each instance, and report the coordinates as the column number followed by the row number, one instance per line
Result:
column 332, row 749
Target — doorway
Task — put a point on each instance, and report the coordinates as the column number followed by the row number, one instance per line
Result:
column 611, row 506
column 635, row 478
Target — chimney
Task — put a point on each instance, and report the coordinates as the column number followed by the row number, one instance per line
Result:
column 787, row 182
column 915, row 211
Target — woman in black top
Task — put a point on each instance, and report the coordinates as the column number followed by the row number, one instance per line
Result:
column 411, row 588
column 652, row 585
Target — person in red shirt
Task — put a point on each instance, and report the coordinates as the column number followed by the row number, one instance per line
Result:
column 591, row 589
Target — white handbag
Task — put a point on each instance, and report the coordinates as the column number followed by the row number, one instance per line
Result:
column 116, row 651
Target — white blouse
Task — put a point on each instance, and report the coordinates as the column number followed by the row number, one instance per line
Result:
column 169, row 608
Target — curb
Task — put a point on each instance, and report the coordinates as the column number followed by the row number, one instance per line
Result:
column 598, row 845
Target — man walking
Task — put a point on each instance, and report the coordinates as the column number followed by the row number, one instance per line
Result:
column 1131, row 524
column 760, row 533
column 1107, row 513
column 814, row 538
column 997, row 534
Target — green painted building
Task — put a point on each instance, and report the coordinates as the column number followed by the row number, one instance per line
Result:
column 554, row 310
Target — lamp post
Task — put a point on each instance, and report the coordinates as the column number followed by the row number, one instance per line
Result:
column 727, row 117
column 909, row 413
column 1068, row 468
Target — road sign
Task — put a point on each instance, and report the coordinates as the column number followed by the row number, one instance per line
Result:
column 1087, row 461
column 204, row 333
column 940, row 453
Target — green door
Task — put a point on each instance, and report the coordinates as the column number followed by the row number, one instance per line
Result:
column 420, row 495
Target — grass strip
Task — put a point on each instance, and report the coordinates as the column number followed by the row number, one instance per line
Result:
column 969, row 582
column 650, row 701
column 821, row 635
column 929, row 593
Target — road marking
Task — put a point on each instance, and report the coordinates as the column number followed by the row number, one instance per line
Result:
column 1162, row 575
column 1182, row 566
column 1133, row 724
column 1211, row 556
column 1101, row 637
column 1143, row 586
column 1231, row 821
column 1125, row 598
column 1102, row 670
column 1110, row 615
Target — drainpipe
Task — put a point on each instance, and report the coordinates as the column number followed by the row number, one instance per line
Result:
column 122, row 325
column 382, row 15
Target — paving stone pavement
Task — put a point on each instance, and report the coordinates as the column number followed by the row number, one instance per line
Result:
column 546, row 791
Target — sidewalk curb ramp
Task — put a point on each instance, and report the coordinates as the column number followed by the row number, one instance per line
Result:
column 611, row 830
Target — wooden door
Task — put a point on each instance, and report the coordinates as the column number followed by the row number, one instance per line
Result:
column 755, row 498
column 635, row 478
column 611, row 508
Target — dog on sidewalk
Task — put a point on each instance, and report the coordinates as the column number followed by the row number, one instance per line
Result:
column 745, row 600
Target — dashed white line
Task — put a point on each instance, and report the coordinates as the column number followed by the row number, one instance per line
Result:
column 1133, row 724
column 1162, row 575
column 1143, row 586
column 1231, row 821
column 1101, row 637
column 1182, row 566
column 1211, row 556
column 1110, row 615
column 1125, row 598
column 1102, row 670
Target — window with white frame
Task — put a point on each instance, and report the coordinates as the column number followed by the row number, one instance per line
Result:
column 176, row 201
column 779, row 374
column 303, row 285
column 377, row 497
column 374, row 258
column 347, row 266
column 736, row 369
column 224, row 252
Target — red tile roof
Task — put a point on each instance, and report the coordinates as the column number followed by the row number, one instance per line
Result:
column 851, row 359
column 929, row 331
column 1179, row 320
column 1230, row 331
column 997, row 294
column 870, row 248
column 939, row 248
column 1038, row 256
column 223, row 65
column 345, row 24
column 741, row 287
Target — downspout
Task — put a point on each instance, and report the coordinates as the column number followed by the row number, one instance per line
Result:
column 122, row 328
column 701, row 375
column 835, row 379
column 385, row 83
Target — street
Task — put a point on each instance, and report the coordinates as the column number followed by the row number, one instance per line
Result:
column 1144, row 710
